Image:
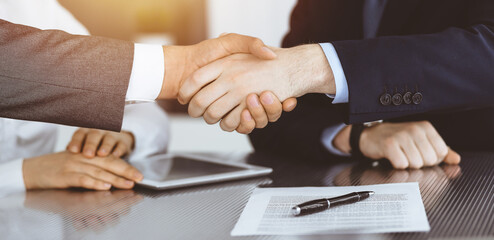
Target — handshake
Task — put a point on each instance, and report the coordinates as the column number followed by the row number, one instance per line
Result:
column 241, row 82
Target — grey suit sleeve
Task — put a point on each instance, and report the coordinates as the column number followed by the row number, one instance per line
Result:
column 52, row 76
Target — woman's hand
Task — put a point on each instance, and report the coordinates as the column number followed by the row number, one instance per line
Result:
column 94, row 142
column 64, row 170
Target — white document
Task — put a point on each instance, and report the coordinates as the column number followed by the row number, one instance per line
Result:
column 395, row 207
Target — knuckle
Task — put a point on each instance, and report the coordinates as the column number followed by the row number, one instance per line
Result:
column 85, row 181
column 257, row 42
column 429, row 160
column 230, row 35
column 226, row 125
column 416, row 165
column 413, row 129
column 389, row 142
column 400, row 165
column 275, row 118
column 212, row 116
column 197, row 102
column 443, row 152
column 98, row 173
column 425, row 124
column 262, row 124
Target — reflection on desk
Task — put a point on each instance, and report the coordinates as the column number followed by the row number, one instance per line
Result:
column 458, row 199
column 437, row 178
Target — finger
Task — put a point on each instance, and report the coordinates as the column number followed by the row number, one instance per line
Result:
column 289, row 104
column 272, row 106
column 92, row 142
column 426, row 149
column 257, row 111
column 85, row 181
column 452, row 157
column 236, row 43
column 105, row 176
column 216, row 106
column 198, row 80
column 247, row 123
column 107, row 145
column 396, row 156
column 412, row 152
column 117, row 166
column 232, row 120
column 437, row 141
column 121, row 149
column 75, row 144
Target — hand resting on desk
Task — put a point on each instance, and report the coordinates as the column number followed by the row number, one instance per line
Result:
column 65, row 170
column 405, row 145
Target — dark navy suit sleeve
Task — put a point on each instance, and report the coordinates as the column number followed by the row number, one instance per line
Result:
column 452, row 69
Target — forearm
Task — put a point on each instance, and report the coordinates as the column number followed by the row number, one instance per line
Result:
column 447, row 68
column 308, row 70
column 52, row 76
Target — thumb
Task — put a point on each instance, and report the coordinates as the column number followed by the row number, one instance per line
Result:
column 452, row 157
column 236, row 43
column 289, row 104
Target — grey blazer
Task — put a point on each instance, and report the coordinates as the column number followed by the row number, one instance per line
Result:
column 52, row 76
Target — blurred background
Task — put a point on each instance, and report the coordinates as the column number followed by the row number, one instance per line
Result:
column 184, row 22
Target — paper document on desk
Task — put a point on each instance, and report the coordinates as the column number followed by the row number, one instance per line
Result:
column 395, row 207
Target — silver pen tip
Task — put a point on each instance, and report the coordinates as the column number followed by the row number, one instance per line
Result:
column 371, row 193
column 296, row 211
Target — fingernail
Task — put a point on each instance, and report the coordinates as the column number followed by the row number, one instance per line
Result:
column 247, row 116
column 266, row 49
column 107, row 185
column 253, row 101
column 103, row 151
column 129, row 183
column 88, row 153
column 74, row 149
column 138, row 176
column 267, row 99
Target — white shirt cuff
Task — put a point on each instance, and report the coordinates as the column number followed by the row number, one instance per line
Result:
column 11, row 179
column 148, row 71
column 149, row 125
column 341, row 84
column 328, row 136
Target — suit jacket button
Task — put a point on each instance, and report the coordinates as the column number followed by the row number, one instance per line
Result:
column 385, row 99
column 397, row 99
column 407, row 97
column 417, row 98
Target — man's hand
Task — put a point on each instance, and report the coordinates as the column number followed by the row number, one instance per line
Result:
column 64, row 170
column 94, row 142
column 263, row 109
column 181, row 61
column 411, row 144
column 220, row 88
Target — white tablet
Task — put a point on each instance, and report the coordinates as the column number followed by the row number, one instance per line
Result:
column 175, row 171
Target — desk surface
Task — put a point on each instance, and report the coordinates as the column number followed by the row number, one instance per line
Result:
column 459, row 201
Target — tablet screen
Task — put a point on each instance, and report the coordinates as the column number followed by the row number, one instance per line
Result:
column 181, row 167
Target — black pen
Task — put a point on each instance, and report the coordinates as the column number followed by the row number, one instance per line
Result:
column 320, row 205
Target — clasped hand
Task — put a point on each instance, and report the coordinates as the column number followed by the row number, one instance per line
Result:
column 244, row 91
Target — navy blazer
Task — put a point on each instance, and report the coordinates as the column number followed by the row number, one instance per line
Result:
column 442, row 49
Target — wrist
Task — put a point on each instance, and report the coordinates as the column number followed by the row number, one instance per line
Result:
column 342, row 140
column 316, row 70
column 176, row 59
column 27, row 173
